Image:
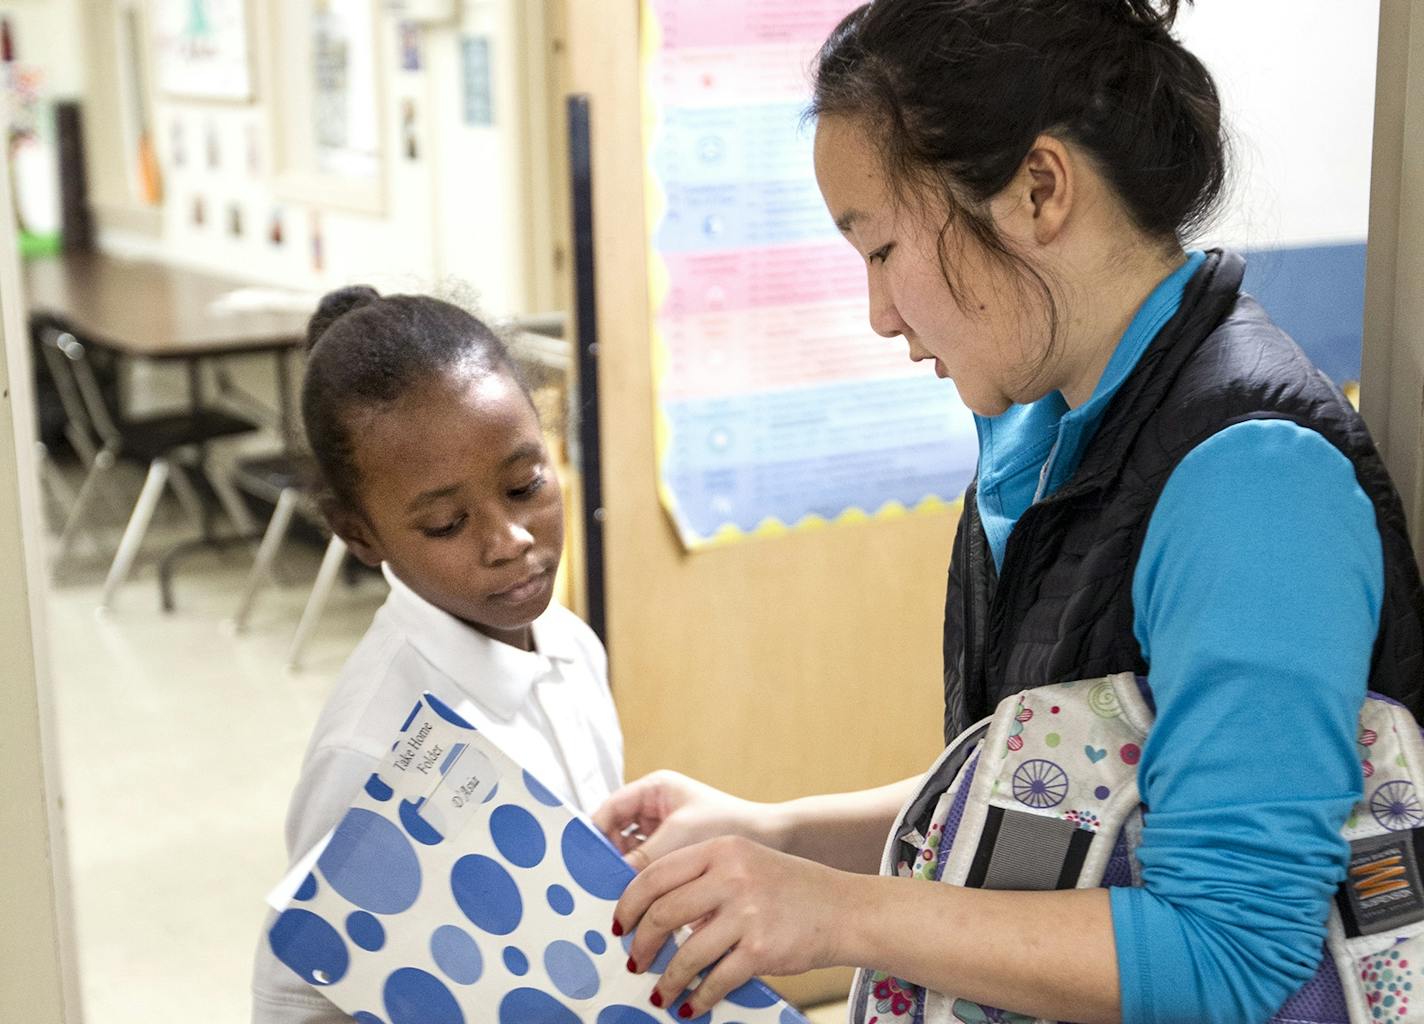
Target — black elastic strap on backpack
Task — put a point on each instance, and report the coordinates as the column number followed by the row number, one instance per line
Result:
column 1028, row 852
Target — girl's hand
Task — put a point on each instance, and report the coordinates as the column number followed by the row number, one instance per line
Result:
column 753, row 909
column 666, row 811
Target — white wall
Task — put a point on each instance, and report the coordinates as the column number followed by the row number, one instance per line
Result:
column 47, row 34
column 456, row 214
column 393, row 249
column 481, row 189
column 1297, row 78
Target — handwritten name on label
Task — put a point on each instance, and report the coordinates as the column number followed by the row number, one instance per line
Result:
column 468, row 784
column 467, row 792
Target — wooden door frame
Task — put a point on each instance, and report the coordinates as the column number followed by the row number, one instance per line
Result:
column 39, row 976
column 1392, row 380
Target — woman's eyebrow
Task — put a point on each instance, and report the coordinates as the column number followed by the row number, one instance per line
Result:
column 846, row 220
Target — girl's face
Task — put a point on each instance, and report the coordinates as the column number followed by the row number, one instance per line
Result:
column 459, row 498
column 979, row 342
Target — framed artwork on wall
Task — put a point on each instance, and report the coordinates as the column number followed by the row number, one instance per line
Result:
column 328, row 128
column 202, row 49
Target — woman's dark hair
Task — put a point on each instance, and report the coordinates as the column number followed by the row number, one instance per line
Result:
column 956, row 91
column 365, row 350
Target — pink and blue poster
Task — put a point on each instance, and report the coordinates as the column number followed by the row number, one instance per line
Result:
column 777, row 407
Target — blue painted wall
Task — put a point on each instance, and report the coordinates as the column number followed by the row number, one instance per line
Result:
column 1317, row 295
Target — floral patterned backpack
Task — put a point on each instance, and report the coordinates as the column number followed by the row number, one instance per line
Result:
column 1043, row 795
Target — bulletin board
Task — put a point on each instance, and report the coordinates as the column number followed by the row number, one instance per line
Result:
column 777, row 407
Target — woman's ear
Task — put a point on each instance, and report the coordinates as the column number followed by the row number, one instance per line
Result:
column 352, row 528
column 1048, row 170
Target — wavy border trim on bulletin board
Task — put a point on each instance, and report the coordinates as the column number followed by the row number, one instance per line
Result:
column 659, row 285
column 771, row 526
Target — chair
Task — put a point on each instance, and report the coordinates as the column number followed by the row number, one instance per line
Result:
column 75, row 429
column 165, row 443
column 287, row 482
column 56, row 494
column 331, row 564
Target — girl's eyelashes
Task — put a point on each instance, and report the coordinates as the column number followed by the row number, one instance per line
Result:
column 529, row 489
column 878, row 256
column 457, row 523
column 448, row 530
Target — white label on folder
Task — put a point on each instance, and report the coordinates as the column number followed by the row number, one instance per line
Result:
column 440, row 779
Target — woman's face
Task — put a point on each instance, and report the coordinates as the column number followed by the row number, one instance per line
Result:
column 459, row 498
column 982, row 341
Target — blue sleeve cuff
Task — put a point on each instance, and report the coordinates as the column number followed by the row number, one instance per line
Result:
column 1134, row 969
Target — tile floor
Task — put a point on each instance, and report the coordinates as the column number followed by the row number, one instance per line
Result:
column 179, row 742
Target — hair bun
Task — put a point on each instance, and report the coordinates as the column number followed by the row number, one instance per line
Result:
column 1147, row 13
column 336, row 304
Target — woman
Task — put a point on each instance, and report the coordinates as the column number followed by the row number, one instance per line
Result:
column 1165, row 486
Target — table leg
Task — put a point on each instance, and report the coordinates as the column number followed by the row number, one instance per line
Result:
column 195, row 406
column 287, row 417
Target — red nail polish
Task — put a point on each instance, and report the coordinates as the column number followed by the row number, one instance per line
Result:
column 685, row 1010
column 656, row 999
column 617, row 928
column 632, row 966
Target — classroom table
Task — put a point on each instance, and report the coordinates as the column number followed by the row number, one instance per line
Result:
column 144, row 309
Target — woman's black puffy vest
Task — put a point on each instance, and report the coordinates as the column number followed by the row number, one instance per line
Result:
column 1062, row 607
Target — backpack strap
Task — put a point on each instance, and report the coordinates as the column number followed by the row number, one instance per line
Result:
column 1056, row 781
column 1032, row 798
column 912, row 824
column 1376, row 927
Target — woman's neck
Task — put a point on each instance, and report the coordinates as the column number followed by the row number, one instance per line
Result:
column 1104, row 303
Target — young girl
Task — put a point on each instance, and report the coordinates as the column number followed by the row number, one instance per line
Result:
column 436, row 471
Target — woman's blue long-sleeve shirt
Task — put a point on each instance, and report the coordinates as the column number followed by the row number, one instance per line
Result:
column 1257, row 599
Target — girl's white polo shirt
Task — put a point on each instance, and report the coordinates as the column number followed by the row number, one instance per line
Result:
column 550, row 709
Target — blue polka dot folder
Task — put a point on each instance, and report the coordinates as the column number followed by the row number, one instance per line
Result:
column 458, row 889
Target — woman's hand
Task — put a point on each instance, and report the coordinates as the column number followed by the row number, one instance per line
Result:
column 673, row 811
column 753, row 911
